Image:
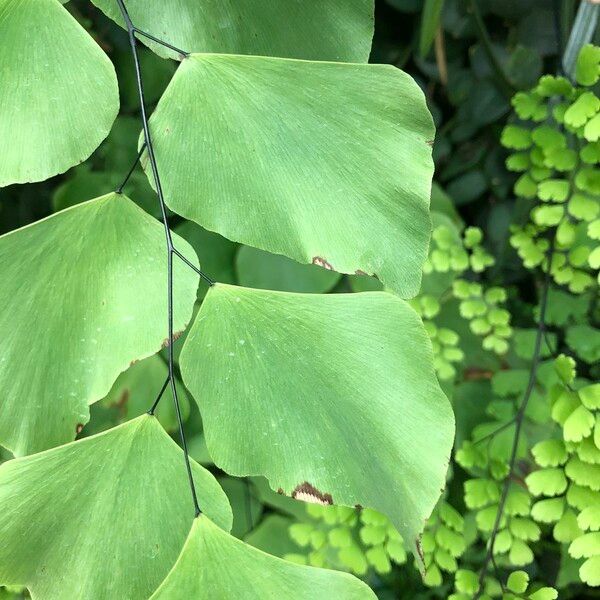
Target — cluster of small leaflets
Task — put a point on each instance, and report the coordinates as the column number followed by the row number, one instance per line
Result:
column 485, row 460
column 363, row 540
column 453, row 256
column 567, row 481
column 517, row 586
column 484, row 311
column 450, row 253
column 354, row 540
column 556, row 148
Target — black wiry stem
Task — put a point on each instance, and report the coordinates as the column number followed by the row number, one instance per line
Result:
column 160, row 395
column 145, row 34
column 131, row 30
column 519, row 418
column 194, row 268
column 119, row 190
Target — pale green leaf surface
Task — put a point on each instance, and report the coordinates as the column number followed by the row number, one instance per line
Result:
column 311, row 29
column 517, row 582
column 59, row 92
column 590, row 571
column 586, row 546
column 216, row 566
column 323, row 390
column 325, row 163
column 102, row 518
column 83, row 295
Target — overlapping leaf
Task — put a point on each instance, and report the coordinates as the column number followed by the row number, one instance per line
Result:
column 102, row 518
column 135, row 389
column 83, row 295
column 311, row 29
column 214, row 565
column 259, row 269
column 332, row 397
column 325, row 163
column 59, row 93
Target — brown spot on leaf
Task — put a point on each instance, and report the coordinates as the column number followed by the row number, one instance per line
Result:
column 308, row 493
column 419, row 548
column 321, row 262
column 360, row 272
column 133, row 362
column 176, row 336
column 79, row 428
column 280, row 491
column 429, row 142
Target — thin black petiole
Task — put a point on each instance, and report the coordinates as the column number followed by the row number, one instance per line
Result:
column 169, row 241
column 186, row 453
column 494, row 433
column 119, row 190
column 194, row 268
column 160, row 395
column 159, row 41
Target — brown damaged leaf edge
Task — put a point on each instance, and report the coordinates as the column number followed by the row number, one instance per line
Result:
column 321, row 262
column 176, row 336
column 308, row 493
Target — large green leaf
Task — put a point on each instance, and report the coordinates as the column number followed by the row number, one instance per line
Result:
column 332, row 397
column 216, row 566
column 59, row 92
column 326, row 163
column 309, row 29
column 83, row 295
column 102, row 518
